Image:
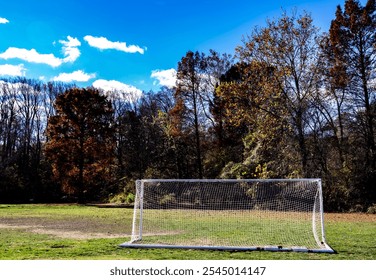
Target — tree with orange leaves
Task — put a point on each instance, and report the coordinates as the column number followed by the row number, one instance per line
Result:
column 80, row 142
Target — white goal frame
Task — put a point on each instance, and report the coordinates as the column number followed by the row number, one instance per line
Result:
column 316, row 212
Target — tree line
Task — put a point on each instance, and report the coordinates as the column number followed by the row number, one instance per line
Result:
column 292, row 102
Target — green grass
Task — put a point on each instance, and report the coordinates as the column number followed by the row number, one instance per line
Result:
column 228, row 228
column 21, row 237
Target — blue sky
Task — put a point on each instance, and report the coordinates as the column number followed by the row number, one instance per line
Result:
column 133, row 45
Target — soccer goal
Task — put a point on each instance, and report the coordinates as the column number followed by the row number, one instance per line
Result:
column 271, row 215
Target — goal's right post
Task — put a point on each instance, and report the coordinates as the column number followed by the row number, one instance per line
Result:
column 318, row 226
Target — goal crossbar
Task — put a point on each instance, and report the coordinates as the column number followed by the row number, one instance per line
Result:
column 229, row 214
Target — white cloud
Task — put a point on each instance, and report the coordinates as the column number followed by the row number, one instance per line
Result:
column 12, row 70
column 31, row 56
column 117, row 89
column 3, row 20
column 76, row 76
column 103, row 43
column 70, row 49
column 165, row 77
column 71, row 53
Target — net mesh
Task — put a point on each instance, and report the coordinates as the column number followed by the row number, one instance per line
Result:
column 229, row 213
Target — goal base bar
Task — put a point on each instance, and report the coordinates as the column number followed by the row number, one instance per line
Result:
column 228, row 248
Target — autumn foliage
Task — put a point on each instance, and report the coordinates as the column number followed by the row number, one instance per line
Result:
column 293, row 101
column 80, row 142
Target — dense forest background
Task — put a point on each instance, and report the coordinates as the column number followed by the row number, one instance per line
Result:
column 292, row 102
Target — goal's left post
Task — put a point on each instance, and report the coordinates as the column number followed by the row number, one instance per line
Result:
column 138, row 212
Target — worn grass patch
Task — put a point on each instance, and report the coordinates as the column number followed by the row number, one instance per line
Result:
column 37, row 232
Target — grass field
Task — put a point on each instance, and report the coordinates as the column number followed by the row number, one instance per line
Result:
column 229, row 228
column 83, row 232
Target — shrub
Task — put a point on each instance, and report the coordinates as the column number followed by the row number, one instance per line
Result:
column 372, row 209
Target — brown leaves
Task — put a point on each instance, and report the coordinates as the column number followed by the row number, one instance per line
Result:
column 81, row 140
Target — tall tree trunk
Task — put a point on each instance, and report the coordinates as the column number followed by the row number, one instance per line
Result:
column 197, row 135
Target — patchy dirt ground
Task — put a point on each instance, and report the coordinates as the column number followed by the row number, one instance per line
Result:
column 67, row 227
column 71, row 234
column 85, row 228
column 349, row 217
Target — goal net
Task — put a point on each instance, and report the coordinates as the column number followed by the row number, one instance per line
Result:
column 273, row 215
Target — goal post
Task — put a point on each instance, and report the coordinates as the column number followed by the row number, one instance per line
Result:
column 234, row 214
